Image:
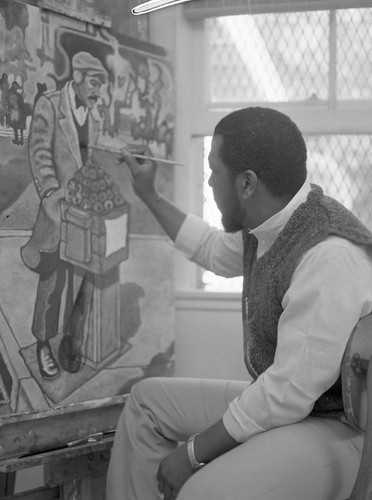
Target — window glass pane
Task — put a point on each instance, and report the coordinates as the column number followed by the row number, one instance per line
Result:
column 268, row 57
column 209, row 281
column 340, row 164
column 210, row 211
column 354, row 59
column 213, row 283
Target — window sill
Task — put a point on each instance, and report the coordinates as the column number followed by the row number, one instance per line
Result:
column 201, row 300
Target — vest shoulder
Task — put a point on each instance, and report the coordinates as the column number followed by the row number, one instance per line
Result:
column 335, row 242
column 344, row 222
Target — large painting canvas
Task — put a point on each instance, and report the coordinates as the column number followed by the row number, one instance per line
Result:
column 115, row 14
column 86, row 298
column 93, row 11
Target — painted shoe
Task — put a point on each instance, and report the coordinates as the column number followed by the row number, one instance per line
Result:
column 48, row 366
column 69, row 356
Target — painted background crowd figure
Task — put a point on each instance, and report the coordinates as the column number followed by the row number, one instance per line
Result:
column 13, row 109
column 78, row 335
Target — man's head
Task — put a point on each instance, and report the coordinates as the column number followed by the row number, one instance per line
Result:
column 264, row 155
column 88, row 75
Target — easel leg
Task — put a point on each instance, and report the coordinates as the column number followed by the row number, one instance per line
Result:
column 80, row 478
column 85, row 488
column 72, row 490
column 7, row 483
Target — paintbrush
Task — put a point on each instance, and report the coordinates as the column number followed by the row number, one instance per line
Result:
column 109, row 149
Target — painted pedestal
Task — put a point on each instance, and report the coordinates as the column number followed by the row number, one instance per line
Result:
column 96, row 244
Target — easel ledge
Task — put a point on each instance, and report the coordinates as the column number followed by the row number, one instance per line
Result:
column 59, row 427
column 78, row 472
column 71, row 442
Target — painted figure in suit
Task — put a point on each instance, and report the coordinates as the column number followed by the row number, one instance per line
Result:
column 63, row 125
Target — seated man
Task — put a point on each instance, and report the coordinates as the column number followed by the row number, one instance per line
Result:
column 307, row 267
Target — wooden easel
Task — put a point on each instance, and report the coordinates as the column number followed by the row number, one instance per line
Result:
column 72, row 443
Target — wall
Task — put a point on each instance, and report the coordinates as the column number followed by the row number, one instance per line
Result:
column 209, row 336
column 208, row 327
column 203, row 347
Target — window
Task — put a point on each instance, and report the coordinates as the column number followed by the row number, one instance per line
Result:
column 268, row 57
column 316, row 67
column 290, row 57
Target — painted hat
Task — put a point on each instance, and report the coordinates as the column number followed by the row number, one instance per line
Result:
column 84, row 61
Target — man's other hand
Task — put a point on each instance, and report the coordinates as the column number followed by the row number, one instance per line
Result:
column 173, row 472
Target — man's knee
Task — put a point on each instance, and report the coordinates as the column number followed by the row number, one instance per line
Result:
column 146, row 390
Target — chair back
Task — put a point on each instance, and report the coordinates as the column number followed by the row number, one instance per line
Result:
column 356, row 373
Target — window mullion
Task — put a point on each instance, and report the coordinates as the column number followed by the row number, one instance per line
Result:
column 332, row 59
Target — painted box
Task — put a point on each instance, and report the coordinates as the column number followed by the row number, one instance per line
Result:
column 94, row 220
column 94, row 242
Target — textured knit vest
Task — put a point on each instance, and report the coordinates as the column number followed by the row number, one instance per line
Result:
column 267, row 279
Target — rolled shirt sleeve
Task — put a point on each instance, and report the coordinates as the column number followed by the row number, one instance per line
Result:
column 330, row 291
column 211, row 248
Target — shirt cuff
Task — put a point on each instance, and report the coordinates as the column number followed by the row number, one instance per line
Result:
column 190, row 234
column 238, row 424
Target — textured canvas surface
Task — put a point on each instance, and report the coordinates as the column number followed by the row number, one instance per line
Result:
column 106, row 325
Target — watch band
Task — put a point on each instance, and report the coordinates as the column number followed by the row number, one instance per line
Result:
column 195, row 464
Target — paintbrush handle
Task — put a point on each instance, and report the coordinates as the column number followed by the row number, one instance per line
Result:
column 109, row 149
column 153, row 158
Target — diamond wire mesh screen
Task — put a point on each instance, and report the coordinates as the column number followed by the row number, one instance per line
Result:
column 285, row 57
column 354, row 54
column 340, row 164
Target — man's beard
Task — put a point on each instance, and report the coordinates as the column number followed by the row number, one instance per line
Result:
column 233, row 219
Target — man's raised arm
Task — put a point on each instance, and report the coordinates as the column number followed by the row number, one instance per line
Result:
column 143, row 173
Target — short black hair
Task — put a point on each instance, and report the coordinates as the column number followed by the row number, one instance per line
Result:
column 267, row 142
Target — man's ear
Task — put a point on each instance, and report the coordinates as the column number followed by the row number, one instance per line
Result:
column 246, row 183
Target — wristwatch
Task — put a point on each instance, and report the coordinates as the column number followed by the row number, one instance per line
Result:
column 195, row 464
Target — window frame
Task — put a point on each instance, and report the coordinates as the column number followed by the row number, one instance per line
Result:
column 199, row 117
column 312, row 117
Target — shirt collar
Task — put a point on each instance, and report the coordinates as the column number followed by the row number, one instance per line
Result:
column 80, row 113
column 272, row 226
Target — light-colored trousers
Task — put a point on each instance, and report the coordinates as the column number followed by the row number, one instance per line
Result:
column 316, row 459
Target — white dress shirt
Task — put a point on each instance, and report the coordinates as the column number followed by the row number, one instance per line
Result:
column 330, row 290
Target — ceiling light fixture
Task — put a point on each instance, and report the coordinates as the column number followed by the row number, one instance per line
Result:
column 151, row 5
